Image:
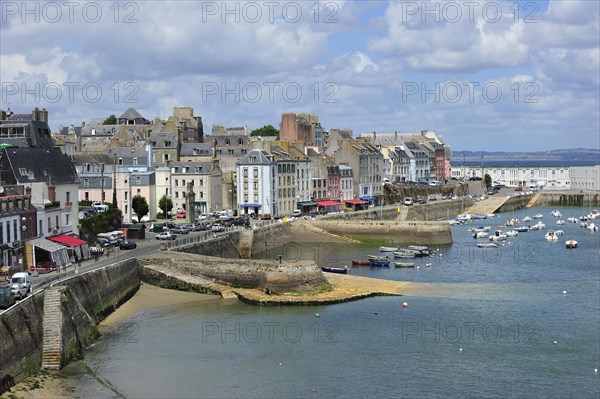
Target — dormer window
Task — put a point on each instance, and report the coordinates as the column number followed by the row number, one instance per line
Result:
column 227, row 142
column 120, row 162
column 135, row 161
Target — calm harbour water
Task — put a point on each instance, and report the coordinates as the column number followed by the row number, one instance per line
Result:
column 494, row 323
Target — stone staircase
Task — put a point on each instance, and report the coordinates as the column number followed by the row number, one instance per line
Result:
column 533, row 200
column 245, row 243
column 52, row 327
column 321, row 231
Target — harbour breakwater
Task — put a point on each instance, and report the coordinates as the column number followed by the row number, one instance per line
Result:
column 568, row 199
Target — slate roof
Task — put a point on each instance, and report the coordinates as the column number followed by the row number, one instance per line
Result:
column 131, row 113
column 36, row 164
column 255, row 157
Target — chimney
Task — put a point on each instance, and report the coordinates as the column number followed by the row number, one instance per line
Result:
column 149, row 155
column 2, row 115
column 395, row 137
column 34, row 114
column 51, row 193
column 44, row 116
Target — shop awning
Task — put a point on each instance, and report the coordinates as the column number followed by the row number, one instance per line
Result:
column 250, row 205
column 67, row 240
column 58, row 253
column 367, row 198
column 355, row 201
column 307, row 203
column 328, row 203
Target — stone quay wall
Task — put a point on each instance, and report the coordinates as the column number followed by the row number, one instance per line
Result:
column 89, row 298
column 568, row 199
column 197, row 273
column 402, row 232
column 86, row 300
column 21, row 337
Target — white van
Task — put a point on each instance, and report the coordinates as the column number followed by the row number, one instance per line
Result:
column 23, row 279
column 100, row 207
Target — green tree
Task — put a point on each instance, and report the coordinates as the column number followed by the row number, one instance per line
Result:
column 140, row 207
column 487, row 179
column 111, row 120
column 100, row 223
column 165, row 204
column 267, row 130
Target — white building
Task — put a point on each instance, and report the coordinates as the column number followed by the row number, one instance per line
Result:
column 346, row 183
column 257, row 183
column 585, row 178
column 551, row 177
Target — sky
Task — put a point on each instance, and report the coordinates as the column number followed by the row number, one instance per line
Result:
column 485, row 75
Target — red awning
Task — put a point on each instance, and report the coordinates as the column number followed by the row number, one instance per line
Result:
column 356, row 201
column 67, row 240
column 328, row 203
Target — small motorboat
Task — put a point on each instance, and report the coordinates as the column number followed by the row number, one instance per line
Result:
column 512, row 222
column 403, row 264
column 560, row 222
column 419, row 250
column 380, row 262
column 571, row 244
column 583, row 225
column 592, row 227
column 388, row 249
column 479, row 217
column 511, row 233
column 338, row 270
column 404, row 254
column 559, row 232
column 522, row 229
column 551, row 236
column 487, row 245
column 526, row 219
column 572, row 220
column 481, row 229
column 378, row 257
column 538, row 216
column 361, row 262
column 498, row 236
column 556, row 214
column 481, row 234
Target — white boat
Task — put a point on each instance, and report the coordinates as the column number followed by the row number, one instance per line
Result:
column 560, row 222
column 535, row 227
column 522, row 229
column 404, row 254
column 584, row 225
column 571, row 244
column 556, row 214
column 511, row 233
column 538, row 216
column 512, row 222
column 526, row 219
column 592, row 227
column 378, row 258
column 481, row 234
column 572, row 220
column 403, row 264
column 551, row 236
column 498, row 236
column 388, row 249
column 480, row 229
column 487, row 245
column 559, row 232
column 490, row 215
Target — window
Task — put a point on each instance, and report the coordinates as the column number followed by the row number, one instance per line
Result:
column 86, row 195
column 138, row 180
column 68, row 195
column 139, row 191
column 255, row 198
column 245, row 172
column 86, row 182
column 135, row 161
column 67, row 219
column 125, row 198
column 120, row 162
column 256, row 173
column 256, row 185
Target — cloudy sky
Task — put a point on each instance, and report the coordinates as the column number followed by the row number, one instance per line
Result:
column 486, row 75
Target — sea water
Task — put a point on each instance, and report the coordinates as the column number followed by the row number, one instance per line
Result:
column 521, row 320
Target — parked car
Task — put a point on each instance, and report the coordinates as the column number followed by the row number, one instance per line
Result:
column 157, row 227
column 179, row 230
column 19, row 290
column 217, row 227
column 408, row 201
column 202, row 216
column 128, row 244
column 519, row 189
column 180, row 215
column 7, row 297
column 166, row 235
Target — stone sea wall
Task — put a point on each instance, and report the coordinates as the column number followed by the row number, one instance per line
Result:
column 21, row 337
column 402, row 232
